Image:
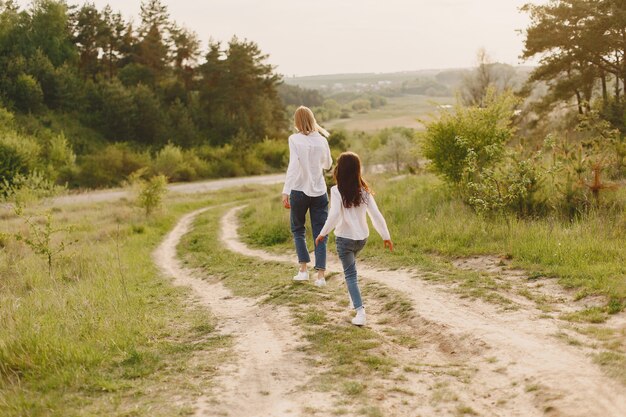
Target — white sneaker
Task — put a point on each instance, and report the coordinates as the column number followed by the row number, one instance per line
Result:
column 320, row 282
column 302, row 276
column 359, row 319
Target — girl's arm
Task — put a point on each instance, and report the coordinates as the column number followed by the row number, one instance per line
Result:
column 377, row 218
column 292, row 168
column 334, row 214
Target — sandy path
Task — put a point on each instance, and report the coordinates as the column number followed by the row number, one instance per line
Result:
column 566, row 382
column 267, row 375
column 183, row 188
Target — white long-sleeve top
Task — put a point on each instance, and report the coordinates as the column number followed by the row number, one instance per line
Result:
column 309, row 156
column 351, row 223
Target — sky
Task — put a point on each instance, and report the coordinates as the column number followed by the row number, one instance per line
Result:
column 305, row 37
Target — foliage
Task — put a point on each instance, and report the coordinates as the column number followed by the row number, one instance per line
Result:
column 111, row 165
column 151, row 193
column 88, row 75
column 581, row 45
column 25, row 189
column 487, row 76
column 41, row 239
column 469, row 136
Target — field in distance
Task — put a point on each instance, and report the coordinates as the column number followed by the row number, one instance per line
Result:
column 402, row 111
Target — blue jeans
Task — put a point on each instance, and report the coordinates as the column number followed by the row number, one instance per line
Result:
column 318, row 206
column 347, row 249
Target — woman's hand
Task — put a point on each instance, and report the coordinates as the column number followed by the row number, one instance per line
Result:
column 286, row 201
column 388, row 244
column 319, row 239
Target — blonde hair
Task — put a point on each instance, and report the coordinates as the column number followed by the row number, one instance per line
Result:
column 305, row 123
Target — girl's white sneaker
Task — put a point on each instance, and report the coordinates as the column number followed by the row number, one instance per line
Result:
column 302, row 276
column 321, row 282
column 359, row 319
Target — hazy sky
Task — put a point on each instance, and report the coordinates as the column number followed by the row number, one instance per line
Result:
column 305, row 37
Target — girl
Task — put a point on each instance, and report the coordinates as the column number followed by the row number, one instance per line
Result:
column 350, row 200
column 305, row 189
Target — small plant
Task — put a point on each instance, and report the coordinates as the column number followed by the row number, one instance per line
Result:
column 27, row 189
column 151, row 193
column 42, row 240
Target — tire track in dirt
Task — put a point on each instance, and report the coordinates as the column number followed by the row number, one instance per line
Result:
column 267, row 375
column 563, row 380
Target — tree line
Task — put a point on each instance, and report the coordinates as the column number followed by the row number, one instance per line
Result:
column 115, row 86
column 142, row 83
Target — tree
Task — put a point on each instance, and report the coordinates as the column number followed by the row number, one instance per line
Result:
column 238, row 91
column 88, row 28
column 581, row 44
column 153, row 47
column 486, row 75
column 186, row 54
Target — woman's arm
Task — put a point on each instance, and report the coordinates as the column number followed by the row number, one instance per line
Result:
column 328, row 162
column 292, row 168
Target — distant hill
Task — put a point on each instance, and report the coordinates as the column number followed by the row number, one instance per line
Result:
column 433, row 82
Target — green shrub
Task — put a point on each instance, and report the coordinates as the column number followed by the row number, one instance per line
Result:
column 484, row 132
column 274, row 153
column 28, row 93
column 151, row 193
column 110, row 166
column 12, row 164
column 60, row 158
column 169, row 162
column 25, row 189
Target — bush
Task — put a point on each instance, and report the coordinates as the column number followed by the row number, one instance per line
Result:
column 111, row 166
column 60, row 158
column 28, row 94
column 12, row 164
column 25, row 189
column 274, row 153
column 169, row 162
column 481, row 131
column 151, row 193
column 19, row 155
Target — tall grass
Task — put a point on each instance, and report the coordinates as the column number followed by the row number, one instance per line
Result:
column 105, row 328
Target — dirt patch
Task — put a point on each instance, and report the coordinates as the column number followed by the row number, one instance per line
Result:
column 539, row 291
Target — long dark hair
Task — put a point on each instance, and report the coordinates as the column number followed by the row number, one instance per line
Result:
column 350, row 183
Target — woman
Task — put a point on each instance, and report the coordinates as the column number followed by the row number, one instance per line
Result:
column 305, row 189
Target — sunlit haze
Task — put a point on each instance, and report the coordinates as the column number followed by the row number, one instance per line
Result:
column 330, row 36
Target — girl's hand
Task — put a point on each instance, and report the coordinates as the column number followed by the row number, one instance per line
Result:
column 286, row 201
column 319, row 239
column 388, row 244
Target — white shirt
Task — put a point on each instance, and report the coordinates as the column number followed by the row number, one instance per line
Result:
column 309, row 156
column 350, row 223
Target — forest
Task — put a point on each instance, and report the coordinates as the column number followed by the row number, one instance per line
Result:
column 87, row 98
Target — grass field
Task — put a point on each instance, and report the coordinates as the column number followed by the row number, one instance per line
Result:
column 106, row 335
column 402, row 111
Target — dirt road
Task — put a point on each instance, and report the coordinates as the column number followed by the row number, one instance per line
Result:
column 269, row 368
column 182, row 188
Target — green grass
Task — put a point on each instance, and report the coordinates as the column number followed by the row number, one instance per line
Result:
column 107, row 335
column 405, row 111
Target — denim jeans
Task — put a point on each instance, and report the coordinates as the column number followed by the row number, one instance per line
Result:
column 347, row 249
column 318, row 207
